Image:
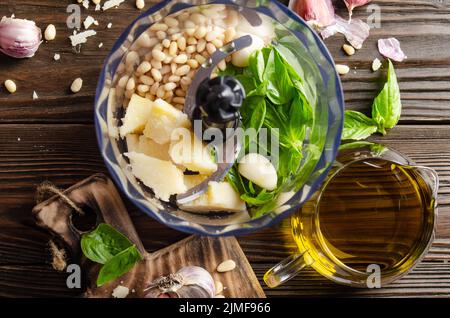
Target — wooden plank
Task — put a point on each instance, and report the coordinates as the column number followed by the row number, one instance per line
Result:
column 421, row 26
column 68, row 153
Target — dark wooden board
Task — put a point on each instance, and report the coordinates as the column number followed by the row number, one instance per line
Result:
column 57, row 142
column 98, row 194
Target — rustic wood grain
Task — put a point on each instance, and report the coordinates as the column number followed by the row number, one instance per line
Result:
column 98, row 194
column 53, row 138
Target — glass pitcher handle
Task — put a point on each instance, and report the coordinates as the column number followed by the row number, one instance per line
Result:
column 433, row 176
column 285, row 270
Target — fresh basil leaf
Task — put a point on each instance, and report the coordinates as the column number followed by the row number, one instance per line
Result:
column 357, row 126
column 387, row 106
column 262, row 198
column 279, row 89
column 231, row 70
column 103, row 243
column 257, row 65
column 118, row 265
column 354, row 145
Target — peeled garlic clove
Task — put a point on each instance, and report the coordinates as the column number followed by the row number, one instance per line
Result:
column 19, row 38
column 351, row 4
column 188, row 282
column 319, row 13
column 259, row 170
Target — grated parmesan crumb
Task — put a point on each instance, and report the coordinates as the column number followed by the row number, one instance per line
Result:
column 89, row 21
column 100, row 45
column 86, row 4
column 111, row 3
column 109, row 26
column 80, row 38
column 35, row 95
column 120, row 292
column 56, row 57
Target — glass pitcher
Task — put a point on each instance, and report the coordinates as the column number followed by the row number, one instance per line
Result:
column 371, row 221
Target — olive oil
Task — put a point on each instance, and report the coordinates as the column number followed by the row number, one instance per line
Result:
column 371, row 212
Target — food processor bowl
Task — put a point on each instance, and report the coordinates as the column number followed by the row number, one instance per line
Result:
column 304, row 48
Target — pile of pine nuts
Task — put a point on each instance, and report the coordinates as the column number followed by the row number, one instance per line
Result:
column 163, row 60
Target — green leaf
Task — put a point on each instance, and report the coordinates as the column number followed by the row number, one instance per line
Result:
column 280, row 89
column 262, row 198
column 257, row 65
column 357, row 126
column 103, row 243
column 387, row 106
column 118, row 265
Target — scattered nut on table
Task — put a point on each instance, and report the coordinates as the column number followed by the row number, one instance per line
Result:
column 226, row 266
column 350, row 50
column 140, row 4
column 342, row 69
column 76, row 86
column 50, row 32
column 10, row 86
column 218, row 287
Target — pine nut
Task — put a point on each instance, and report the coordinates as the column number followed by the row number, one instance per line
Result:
column 181, row 59
column 144, row 67
column 165, row 69
column 158, row 55
column 154, row 88
column 191, row 49
column 200, row 59
column 176, row 36
column 350, row 50
column 161, row 35
column 130, row 84
column 229, row 34
column 170, row 86
column 173, row 48
column 193, row 63
column 186, row 80
column 217, row 43
column 179, row 100
column 156, row 75
column 181, row 43
column 173, row 67
column 201, row 45
column 190, row 32
column 50, row 32
column 159, row 27
column 222, row 65
column 226, row 266
column 132, row 59
column 12, row 87
column 189, row 24
column 76, row 86
column 211, row 35
column 147, row 80
column 165, row 43
column 172, row 31
column 198, row 18
column 140, row 4
column 174, row 78
column 210, row 48
column 123, row 81
column 342, row 69
column 143, row 88
column 168, row 59
column 171, row 22
column 179, row 92
column 160, row 92
column 144, row 40
column 200, row 32
column 182, row 70
column 192, row 41
column 156, row 64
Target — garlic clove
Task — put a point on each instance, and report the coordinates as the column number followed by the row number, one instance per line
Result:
column 319, row 13
column 19, row 38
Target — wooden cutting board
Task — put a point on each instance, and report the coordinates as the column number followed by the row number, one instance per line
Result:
column 99, row 199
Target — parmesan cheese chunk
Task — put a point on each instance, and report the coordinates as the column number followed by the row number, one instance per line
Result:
column 220, row 196
column 190, row 152
column 136, row 116
column 111, row 4
column 163, row 120
column 163, row 177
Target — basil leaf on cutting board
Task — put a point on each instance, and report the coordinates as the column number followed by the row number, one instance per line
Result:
column 357, row 126
column 105, row 245
column 387, row 106
column 118, row 265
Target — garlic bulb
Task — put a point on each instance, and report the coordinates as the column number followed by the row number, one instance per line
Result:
column 319, row 13
column 351, row 4
column 188, row 282
column 19, row 38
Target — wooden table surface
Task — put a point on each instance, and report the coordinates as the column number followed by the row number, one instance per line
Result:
column 53, row 138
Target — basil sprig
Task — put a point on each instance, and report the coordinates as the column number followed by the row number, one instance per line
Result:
column 107, row 246
column 386, row 111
